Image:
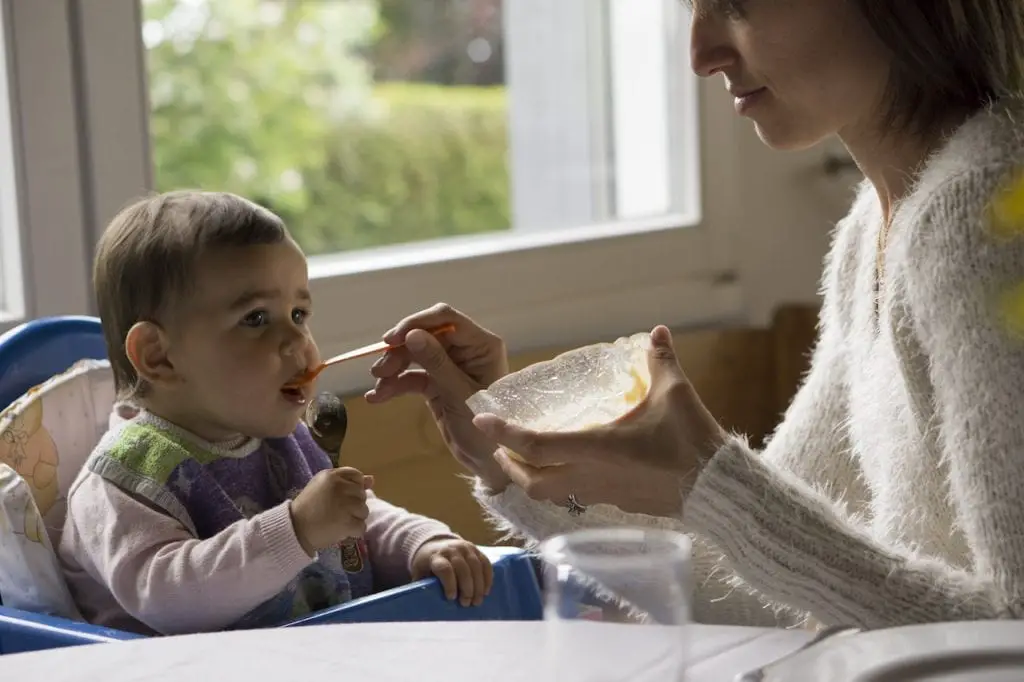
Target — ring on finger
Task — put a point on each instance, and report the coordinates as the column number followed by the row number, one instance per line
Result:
column 575, row 508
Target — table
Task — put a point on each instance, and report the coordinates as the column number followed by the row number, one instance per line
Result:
column 392, row 652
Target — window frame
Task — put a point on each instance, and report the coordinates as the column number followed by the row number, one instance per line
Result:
column 12, row 284
column 47, row 173
column 571, row 285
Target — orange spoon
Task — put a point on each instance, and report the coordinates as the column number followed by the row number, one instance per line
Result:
column 373, row 348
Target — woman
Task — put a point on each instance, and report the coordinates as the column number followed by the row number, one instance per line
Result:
column 893, row 491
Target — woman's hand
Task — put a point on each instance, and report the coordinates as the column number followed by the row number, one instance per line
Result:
column 641, row 463
column 453, row 366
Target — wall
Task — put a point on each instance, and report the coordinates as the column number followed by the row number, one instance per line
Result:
column 789, row 207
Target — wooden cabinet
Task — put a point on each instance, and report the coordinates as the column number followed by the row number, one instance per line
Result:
column 746, row 377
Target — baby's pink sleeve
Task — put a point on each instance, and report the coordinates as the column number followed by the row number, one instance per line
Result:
column 163, row 576
column 394, row 535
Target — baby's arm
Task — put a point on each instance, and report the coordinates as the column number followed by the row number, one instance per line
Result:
column 394, row 535
column 162, row 575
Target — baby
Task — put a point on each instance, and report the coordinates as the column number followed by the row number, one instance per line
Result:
column 210, row 506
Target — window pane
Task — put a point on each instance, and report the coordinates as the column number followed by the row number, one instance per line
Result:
column 373, row 122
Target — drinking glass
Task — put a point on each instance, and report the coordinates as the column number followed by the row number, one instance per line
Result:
column 616, row 605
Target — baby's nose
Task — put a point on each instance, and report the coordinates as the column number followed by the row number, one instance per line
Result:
column 295, row 345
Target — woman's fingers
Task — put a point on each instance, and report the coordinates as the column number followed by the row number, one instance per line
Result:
column 427, row 351
column 392, row 363
column 547, row 483
column 554, row 448
column 435, row 316
column 413, row 381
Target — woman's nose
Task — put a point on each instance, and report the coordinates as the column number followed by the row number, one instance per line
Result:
column 711, row 48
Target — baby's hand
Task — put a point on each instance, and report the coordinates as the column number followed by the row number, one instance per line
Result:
column 463, row 569
column 331, row 508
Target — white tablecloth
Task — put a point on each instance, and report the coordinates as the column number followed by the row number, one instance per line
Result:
column 394, row 652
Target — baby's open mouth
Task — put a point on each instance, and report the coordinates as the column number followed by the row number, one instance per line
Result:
column 293, row 393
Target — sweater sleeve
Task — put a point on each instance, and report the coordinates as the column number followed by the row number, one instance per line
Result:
column 394, row 535
column 794, row 545
column 163, row 576
column 716, row 600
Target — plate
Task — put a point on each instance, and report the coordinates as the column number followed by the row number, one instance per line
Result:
column 979, row 651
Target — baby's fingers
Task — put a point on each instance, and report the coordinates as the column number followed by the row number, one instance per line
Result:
column 356, row 508
column 479, row 582
column 445, row 572
column 464, row 574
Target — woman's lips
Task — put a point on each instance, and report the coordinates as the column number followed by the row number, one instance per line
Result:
column 745, row 101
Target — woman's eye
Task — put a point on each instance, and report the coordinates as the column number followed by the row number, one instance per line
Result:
column 256, row 318
column 300, row 315
column 732, row 9
column 735, row 8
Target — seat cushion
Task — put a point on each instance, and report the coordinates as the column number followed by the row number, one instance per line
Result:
column 30, row 575
column 47, row 434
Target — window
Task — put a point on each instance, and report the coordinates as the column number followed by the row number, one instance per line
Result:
column 535, row 163
column 368, row 123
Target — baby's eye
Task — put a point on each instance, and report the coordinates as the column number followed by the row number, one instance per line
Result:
column 257, row 318
column 300, row 315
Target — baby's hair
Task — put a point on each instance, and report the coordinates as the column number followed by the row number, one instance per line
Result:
column 146, row 257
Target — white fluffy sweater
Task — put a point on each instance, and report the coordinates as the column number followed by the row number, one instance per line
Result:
column 893, row 491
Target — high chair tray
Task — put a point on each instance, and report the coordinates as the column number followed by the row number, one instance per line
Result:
column 514, row 596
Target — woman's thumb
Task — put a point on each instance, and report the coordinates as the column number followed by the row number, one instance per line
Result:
column 661, row 358
column 426, row 351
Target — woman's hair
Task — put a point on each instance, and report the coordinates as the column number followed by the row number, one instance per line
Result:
column 146, row 258
column 948, row 55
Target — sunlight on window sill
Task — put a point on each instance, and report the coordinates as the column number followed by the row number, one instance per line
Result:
column 464, row 248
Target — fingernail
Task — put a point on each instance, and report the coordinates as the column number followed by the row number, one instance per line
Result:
column 379, row 362
column 390, row 333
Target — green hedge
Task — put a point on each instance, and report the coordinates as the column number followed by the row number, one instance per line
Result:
column 427, row 161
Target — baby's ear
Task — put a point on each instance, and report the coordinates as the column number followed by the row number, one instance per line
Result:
column 146, row 348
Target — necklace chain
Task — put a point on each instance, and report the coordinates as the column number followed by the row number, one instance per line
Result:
column 883, row 239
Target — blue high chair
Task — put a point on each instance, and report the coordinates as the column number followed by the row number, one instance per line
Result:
column 39, row 350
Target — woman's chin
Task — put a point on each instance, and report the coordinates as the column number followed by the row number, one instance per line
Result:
column 786, row 137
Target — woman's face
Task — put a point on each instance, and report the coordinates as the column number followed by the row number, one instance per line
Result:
column 802, row 70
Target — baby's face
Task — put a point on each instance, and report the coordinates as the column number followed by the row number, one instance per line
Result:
column 239, row 338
